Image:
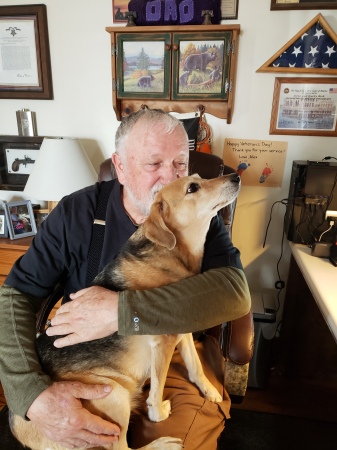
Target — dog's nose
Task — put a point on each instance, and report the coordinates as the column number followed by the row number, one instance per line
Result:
column 236, row 178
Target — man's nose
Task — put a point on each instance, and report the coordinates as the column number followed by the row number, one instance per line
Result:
column 168, row 173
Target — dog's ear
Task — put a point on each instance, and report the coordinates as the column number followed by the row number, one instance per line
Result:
column 155, row 228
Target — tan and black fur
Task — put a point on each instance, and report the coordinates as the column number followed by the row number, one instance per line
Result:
column 166, row 248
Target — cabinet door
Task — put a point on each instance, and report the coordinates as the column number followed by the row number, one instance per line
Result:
column 143, row 65
column 201, row 64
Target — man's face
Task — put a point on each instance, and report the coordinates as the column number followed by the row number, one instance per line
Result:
column 153, row 160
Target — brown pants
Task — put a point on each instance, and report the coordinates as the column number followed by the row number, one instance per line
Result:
column 198, row 422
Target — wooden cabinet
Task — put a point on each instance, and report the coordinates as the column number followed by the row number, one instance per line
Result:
column 10, row 251
column 175, row 68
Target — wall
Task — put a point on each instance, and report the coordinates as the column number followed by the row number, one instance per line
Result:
column 82, row 107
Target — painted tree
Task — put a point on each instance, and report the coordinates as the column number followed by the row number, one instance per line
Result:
column 143, row 60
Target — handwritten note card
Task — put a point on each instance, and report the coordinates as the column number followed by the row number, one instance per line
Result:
column 260, row 163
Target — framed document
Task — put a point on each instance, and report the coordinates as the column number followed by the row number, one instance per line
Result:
column 229, row 9
column 280, row 5
column 304, row 106
column 25, row 70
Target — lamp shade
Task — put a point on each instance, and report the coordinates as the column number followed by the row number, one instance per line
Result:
column 62, row 167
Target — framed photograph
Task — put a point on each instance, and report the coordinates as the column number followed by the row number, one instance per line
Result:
column 304, row 106
column 40, row 215
column 3, row 224
column 20, row 219
column 25, row 69
column 119, row 8
column 143, row 65
column 17, row 158
column 229, row 9
column 279, row 5
column 201, row 66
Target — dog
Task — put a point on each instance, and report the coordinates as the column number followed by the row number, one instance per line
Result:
column 166, row 248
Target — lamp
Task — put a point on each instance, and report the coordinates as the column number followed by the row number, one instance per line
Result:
column 62, row 167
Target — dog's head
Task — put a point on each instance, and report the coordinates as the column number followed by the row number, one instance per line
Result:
column 186, row 206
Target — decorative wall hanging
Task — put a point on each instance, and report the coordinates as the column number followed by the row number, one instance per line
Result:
column 25, row 69
column 174, row 68
column 312, row 50
column 175, row 12
column 17, row 157
column 304, row 106
column 281, row 5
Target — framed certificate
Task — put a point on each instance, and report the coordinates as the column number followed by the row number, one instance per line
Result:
column 25, row 70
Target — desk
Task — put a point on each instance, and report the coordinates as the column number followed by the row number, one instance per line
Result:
column 321, row 278
column 308, row 333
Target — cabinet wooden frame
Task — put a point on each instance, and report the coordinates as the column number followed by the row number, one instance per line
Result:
column 167, row 89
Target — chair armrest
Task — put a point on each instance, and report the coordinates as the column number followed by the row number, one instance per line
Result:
column 239, row 344
column 46, row 308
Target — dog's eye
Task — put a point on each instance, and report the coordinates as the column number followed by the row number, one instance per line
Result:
column 193, row 187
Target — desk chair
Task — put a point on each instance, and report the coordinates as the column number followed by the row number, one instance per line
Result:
column 236, row 338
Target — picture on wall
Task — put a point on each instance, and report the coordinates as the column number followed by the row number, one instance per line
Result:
column 312, row 50
column 304, row 106
column 119, row 8
column 279, row 5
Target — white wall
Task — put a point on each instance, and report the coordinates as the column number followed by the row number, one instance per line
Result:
column 82, row 107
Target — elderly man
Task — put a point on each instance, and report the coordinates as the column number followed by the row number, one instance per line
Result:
column 151, row 151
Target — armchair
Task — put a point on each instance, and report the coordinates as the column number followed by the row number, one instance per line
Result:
column 236, row 338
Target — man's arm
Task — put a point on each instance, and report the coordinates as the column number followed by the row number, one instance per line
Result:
column 193, row 304
column 31, row 394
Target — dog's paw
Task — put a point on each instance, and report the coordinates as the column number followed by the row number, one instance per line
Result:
column 213, row 396
column 159, row 414
column 211, row 393
column 165, row 443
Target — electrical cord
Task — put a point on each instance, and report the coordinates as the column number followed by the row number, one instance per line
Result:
column 328, row 157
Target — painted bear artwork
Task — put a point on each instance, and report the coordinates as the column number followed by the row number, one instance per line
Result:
column 143, row 66
column 145, row 81
column 201, row 66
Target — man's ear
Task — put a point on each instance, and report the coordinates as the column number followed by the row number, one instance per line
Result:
column 155, row 228
column 119, row 166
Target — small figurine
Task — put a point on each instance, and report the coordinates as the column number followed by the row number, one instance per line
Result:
column 130, row 16
column 207, row 14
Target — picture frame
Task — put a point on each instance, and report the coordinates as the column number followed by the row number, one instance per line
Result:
column 292, row 57
column 143, row 65
column 3, row 224
column 229, row 9
column 25, row 66
column 304, row 106
column 20, row 219
column 206, row 77
column 17, row 157
column 119, row 8
column 281, row 5
column 40, row 216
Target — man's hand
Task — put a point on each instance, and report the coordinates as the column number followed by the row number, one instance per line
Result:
column 92, row 314
column 58, row 413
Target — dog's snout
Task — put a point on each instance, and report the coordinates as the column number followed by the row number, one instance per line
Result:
column 236, row 178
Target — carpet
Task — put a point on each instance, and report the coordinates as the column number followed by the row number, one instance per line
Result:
column 246, row 430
